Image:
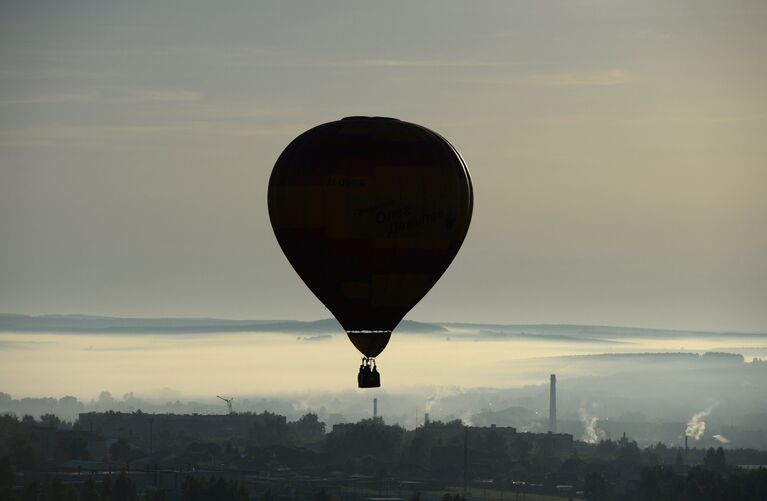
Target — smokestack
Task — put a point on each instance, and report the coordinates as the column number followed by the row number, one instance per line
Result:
column 426, row 419
column 553, row 404
column 685, row 450
column 375, row 408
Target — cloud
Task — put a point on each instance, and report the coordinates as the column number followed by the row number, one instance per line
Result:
column 596, row 78
column 409, row 63
column 49, row 99
column 121, row 348
column 164, row 97
column 177, row 96
column 245, row 109
column 22, row 345
column 593, row 78
column 65, row 73
column 62, row 135
column 8, row 72
column 58, row 73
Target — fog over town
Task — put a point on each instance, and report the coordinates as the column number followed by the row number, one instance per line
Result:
column 647, row 383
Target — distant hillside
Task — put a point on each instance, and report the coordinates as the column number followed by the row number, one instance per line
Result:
column 591, row 332
column 670, row 357
column 94, row 324
column 457, row 331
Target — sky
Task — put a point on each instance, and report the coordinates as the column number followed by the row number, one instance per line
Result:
column 617, row 151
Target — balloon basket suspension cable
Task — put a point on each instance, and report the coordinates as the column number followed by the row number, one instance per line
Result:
column 368, row 376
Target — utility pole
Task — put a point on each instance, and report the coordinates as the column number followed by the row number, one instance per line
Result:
column 465, row 462
column 151, row 422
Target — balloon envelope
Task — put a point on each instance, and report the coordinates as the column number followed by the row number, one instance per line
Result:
column 370, row 212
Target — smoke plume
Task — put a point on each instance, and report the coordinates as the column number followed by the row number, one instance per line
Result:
column 591, row 434
column 696, row 427
column 721, row 439
column 439, row 393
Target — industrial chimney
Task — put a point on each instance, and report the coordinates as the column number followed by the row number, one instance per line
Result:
column 553, row 404
column 375, row 408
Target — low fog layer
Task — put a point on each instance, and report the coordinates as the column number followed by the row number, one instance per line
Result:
column 650, row 384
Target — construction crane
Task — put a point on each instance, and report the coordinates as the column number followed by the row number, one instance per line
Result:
column 228, row 403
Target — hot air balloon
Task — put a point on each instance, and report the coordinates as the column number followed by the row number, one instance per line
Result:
column 370, row 212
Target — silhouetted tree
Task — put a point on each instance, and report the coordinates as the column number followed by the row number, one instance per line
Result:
column 595, row 487
column 269, row 429
column 24, row 450
column 31, row 492
column 715, row 460
column 308, row 429
column 704, row 484
column 201, row 452
column 521, row 450
column 447, row 461
column 106, row 489
column 58, row 491
column 120, row 450
column 659, row 483
column 210, row 489
column 50, row 421
column 606, row 449
column 88, row 490
column 628, row 454
column 572, row 469
column 416, row 451
column 6, row 478
column 746, row 485
column 369, row 437
column 159, row 494
column 71, row 447
column 322, row 496
column 124, row 488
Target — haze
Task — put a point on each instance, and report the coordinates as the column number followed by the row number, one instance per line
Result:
column 601, row 334
column 200, row 366
column 647, row 383
column 617, row 152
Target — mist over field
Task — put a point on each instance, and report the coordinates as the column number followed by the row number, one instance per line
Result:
column 649, row 383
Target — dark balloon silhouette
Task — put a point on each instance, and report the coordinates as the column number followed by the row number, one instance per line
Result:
column 370, row 212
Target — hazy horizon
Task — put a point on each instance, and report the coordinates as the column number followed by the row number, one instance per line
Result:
column 405, row 321
column 616, row 151
column 274, row 358
column 609, row 379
